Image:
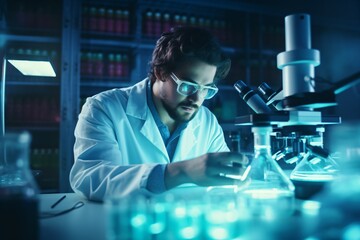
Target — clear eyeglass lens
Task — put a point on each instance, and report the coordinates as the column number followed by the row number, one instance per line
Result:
column 187, row 89
column 210, row 93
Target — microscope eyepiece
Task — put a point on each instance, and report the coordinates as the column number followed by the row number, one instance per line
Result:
column 252, row 99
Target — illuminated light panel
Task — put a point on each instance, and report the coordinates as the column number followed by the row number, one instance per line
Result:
column 34, row 68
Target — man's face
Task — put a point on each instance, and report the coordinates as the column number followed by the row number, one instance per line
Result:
column 183, row 108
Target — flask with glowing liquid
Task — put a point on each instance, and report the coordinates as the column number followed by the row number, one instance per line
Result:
column 268, row 189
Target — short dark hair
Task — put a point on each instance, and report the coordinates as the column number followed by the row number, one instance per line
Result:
column 182, row 43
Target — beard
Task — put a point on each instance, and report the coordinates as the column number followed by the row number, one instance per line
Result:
column 177, row 114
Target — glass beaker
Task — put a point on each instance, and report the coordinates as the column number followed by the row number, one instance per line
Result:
column 268, row 190
column 18, row 190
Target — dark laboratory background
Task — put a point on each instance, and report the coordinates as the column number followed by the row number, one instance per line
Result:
column 98, row 45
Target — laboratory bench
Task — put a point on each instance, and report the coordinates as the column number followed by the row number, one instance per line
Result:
column 82, row 219
column 84, row 222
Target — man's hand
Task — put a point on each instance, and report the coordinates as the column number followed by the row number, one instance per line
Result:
column 211, row 169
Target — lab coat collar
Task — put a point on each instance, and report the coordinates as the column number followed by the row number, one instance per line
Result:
column 137, row 107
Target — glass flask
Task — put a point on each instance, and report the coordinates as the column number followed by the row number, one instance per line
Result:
column 268, row 190
column 315, row 170
column 18, row 190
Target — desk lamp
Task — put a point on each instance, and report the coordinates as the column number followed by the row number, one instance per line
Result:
column 28, row 65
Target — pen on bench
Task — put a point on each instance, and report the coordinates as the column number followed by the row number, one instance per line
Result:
column 58, row 201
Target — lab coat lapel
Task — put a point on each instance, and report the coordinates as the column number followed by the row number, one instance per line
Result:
column 187, row 141
column 151, row 132
column 138, row 108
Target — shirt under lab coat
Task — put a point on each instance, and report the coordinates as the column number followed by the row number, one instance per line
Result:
column 118, row 143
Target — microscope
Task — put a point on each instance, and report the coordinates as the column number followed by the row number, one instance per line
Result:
column 293, row 111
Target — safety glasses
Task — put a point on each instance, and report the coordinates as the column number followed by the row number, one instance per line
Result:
column 186, row 88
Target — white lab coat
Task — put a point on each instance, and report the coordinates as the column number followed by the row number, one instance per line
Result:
column 118, row 143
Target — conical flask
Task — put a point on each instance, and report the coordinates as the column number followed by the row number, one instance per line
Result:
column 267, row 185
column 316, row 169
column 18, row 190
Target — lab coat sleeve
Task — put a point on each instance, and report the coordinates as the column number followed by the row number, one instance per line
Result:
column 99, row 169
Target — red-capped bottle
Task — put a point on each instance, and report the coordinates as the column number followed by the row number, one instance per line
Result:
column 149, row 24
column 222, row 31
column 101, row 20
column 90, row 64
column 111, row 65
column 93, row 20
column 192, row 21
column 54, row 110
column 184, row 20
column 99, row 65
column 157, row 24
column 207, row 24
column 36, row 108
column 18, row 113
column 28, row 113
column 44, row 110
column 39, row 21
column 85, row 18
column 20, row 16
column 126, row 22
column 110, row 20
column 119, row 21
column 30, row 17
column 166, row 23
column 118, row 65
column 201, row 22
column 177, row 20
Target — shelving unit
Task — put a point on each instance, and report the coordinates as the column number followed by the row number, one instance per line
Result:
column 33, row 103
column 98, row 45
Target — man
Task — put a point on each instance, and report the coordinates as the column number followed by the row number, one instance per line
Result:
column 156, row 135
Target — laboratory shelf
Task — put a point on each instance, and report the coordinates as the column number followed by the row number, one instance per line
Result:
column 109, row 42
column 106, row 82
column 38, row 82
column 29, row 38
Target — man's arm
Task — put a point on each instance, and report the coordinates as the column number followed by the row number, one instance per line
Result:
column 206, row 170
